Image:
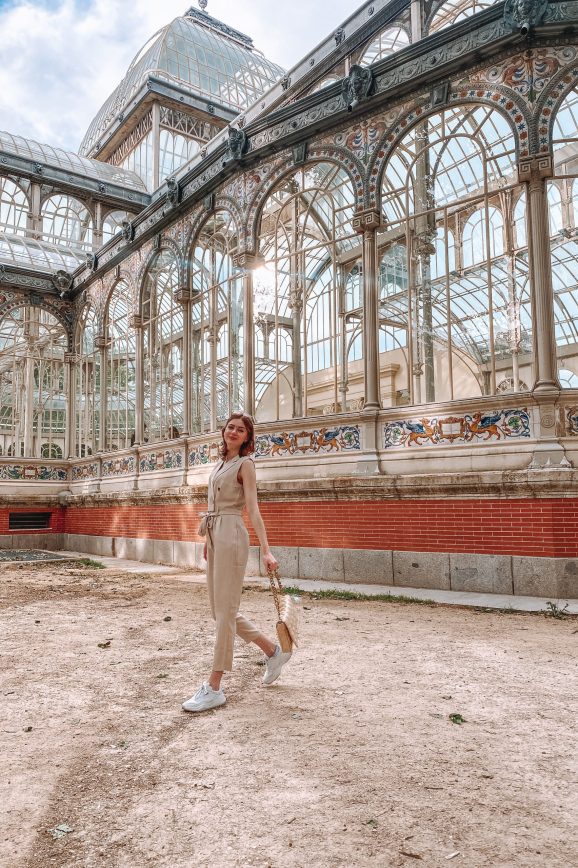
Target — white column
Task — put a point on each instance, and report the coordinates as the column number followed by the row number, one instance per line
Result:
column 248, row 262
column 367, row 223
column 100, row 344
column 69, row 371
column 183, row 296
column 534, row 171
column 136, row 323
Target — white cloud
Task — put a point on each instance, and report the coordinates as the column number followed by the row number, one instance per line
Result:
column 60, row 60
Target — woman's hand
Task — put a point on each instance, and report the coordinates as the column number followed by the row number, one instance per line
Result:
column 205, row 552
column 270, row 562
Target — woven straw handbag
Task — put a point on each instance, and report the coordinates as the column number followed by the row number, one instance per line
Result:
column 287, row 614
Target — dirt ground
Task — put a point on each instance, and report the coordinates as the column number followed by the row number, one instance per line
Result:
column 351, row 759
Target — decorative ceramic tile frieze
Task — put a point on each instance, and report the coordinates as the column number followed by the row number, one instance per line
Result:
column 121, row 466
column 37, row 472
column 168, row 459
column 342, row 438
column 85, row 471
column 204, row 453
column 471, row 427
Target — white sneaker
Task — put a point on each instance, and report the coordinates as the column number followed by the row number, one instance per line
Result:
column 275, row 664
column 204, row 699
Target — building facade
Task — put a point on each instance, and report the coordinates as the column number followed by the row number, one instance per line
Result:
column 374, row 253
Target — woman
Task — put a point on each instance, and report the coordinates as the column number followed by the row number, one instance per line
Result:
column 232, row 486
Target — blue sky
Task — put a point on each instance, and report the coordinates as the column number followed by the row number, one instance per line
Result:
column 60, row 59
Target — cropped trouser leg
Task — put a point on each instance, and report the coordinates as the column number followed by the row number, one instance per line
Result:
column 227, row 554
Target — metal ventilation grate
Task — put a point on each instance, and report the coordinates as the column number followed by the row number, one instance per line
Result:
column 29, row 520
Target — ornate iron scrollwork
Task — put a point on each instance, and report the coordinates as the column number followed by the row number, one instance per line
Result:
column 357, row 86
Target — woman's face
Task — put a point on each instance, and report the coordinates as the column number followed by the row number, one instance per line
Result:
column 235, row 434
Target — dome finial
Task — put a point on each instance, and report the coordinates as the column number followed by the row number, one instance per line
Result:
column 202, row 5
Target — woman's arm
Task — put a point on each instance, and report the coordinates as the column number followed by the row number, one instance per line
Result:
column 248, row 479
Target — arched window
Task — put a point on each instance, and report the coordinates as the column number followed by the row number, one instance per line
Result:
column 217, row 336
column 87, row 371
column 163, row 383
column 120, row 370
column 112, row 224
column 563, row 239
column 568, row 379
column 33, row 404
column 384, row 44
column 67, row 222
column 305, row 237
column 50, row 450
column 14, row 207
column 483, row 236
column 466, row 307
column 451, row 11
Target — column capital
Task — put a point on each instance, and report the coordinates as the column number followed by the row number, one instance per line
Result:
column 247, row 260
column 535, row 168
column 364, row 221
column 100, row 342
column 183, row 295
column 70, row 358
column 135, row 321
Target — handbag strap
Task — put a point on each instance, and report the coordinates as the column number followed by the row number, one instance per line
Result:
column 277, row 589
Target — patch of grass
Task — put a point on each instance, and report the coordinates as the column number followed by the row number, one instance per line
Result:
column 88, row 562
column 336, row 594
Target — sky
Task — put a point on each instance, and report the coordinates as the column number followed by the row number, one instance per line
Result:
column 60, row 59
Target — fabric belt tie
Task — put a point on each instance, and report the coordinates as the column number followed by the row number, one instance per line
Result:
column 208, row 518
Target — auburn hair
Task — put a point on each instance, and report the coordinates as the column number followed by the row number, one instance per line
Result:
column 248, row 446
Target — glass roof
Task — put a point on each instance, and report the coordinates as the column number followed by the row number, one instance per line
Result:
column 199, row 52
column 452, row 11
column 69, row 162
column 38, row 255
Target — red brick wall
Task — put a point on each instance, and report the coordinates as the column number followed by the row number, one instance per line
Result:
column 539, row 527
column 56, row 522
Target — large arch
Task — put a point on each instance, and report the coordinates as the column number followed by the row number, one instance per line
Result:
column 33, row 381
column 330, row 153
column 455, row 171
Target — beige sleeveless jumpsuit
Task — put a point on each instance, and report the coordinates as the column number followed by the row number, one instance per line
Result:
column 227, row 554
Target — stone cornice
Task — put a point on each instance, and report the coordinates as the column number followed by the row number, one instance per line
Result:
column 523, row 484
column 25, row 279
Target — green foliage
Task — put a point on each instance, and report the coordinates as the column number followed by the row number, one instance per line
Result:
column 94, row 565
column 553, row 610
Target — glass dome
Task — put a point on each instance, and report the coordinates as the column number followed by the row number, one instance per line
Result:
column 198, row 52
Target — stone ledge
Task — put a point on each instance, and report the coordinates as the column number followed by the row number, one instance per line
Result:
column 554, row 578
column 504, row 485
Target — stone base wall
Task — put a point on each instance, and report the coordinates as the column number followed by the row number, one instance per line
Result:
column 494, row 574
